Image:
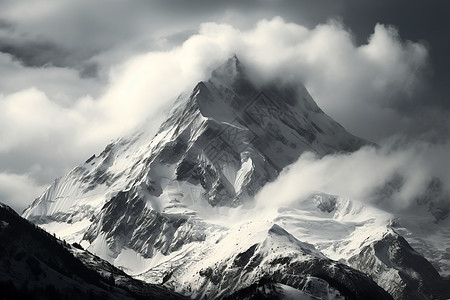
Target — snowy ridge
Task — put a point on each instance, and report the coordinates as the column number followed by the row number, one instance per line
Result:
column 234, row 260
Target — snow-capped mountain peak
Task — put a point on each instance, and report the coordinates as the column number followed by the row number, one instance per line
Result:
column 148, row 203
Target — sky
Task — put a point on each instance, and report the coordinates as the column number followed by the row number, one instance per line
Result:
column 75, row 75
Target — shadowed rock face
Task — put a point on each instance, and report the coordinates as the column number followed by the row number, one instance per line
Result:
column 400, row 270
column 125, row 220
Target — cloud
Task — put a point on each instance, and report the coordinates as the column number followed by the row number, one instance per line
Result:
column 77, row 33
column 399, row 177
column 44, row 136
column 62, row 85
column 357, row 85
column 17, row 190
column 365, row 87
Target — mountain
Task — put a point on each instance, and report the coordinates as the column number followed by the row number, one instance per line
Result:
column 35, row 265
column 177, row 209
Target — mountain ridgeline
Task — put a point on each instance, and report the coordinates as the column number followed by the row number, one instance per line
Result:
column 149, row 204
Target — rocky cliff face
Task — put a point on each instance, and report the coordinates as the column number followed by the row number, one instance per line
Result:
column 400, row 270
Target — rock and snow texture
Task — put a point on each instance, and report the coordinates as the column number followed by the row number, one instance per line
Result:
column 159, row 206
column 255, row 252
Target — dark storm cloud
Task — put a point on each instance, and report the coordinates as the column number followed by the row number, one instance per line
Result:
column 35, row 53
column 5, row 25
column 41, row 53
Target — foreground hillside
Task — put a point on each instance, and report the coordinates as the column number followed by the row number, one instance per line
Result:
column 36, row 265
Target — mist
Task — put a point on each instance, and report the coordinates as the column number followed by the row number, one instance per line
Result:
column 401, row 177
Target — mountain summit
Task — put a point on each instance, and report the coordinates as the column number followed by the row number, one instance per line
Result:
column 226, row 140
column 150, row 204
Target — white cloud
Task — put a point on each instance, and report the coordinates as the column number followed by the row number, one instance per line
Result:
column 360, row 86
column 30, row 117
column 348, row 81
column 18, row 190
column 396, row 176
column 61, row 85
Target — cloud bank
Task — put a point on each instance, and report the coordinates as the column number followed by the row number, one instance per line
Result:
column 44, row 134
column 358, row 85
column 400, row 177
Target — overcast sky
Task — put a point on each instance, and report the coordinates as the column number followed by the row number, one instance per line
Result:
column 76, row 74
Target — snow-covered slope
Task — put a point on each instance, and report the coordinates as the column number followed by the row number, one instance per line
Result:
column 368, row 239
column 177, row 208
column 237, row 258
